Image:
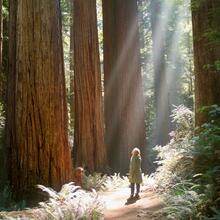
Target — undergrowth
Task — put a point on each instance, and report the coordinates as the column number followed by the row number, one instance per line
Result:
column 188, row 173
column 101, row 182
column 70, row 203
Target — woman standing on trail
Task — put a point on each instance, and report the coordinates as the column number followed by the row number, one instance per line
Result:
column 135, row 177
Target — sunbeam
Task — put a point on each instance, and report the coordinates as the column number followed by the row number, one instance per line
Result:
column 126, row 126
column 167, row 53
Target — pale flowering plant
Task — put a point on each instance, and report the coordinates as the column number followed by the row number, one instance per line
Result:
column 71, row 202
column 176, row 156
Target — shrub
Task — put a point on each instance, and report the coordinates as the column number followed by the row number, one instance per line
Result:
column 188, row 173
column 71, row 203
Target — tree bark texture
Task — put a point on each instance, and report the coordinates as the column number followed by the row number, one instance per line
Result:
column 36, row 111
column 206, row 41
column 90, row 150
column 1, row 85
column 4, row 51
column 124, row 101
column 3, row 76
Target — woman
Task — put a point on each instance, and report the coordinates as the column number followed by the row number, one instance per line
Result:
column 135, row 177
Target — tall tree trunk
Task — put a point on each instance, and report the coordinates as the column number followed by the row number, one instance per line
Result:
column 162, row 108
column 1, row 83
column 124, row 102
column 1, row 33
column 206, row 42
column 71, row 62
column 89, row 144
column 3, row 76
column 36, row 111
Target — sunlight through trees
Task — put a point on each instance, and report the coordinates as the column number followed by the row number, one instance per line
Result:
column 82, row 83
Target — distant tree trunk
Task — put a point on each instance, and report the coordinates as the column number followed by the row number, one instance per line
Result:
column 111, row 98
column 162, row 108
column 206, row 29
column 1, row 82
column 1, row 34
column 71, row 61
column 89, row 144
column 124, row 101
column 1, row 45
column 1, row 93
column 36, row 110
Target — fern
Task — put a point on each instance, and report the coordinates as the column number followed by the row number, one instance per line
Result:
column 188, row 173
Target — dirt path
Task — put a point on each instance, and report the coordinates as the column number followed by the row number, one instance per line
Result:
column 117, row 207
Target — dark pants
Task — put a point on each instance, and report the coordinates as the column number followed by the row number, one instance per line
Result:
column 137, row 188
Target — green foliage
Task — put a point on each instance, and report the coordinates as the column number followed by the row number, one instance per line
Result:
column 207, row 156
column 217, row 65
column 5, row 197
column 216, row 215
column 196, row 4
column 189, row 168
column 213, row 37
column 7, row 203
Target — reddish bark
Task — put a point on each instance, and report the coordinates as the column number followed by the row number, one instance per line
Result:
column 36, row 110
column 89, row 143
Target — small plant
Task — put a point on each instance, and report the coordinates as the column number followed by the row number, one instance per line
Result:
column 116, row 181
column 95, row 181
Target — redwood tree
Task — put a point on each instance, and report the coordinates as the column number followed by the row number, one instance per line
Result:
column 89, row 147
column 1, row 33
column 36, row 111
column 124, row 102
column 206, row 54
column 2, row 86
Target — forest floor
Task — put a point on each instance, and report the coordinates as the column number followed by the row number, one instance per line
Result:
column 117, row 206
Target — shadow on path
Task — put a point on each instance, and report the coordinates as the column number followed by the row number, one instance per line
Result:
column 131, row 201
column 118, row 206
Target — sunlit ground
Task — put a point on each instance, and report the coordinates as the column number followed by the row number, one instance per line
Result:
column 118, row 198
column 116, row 207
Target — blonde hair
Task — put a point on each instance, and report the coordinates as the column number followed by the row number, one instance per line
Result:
column 136, row 150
